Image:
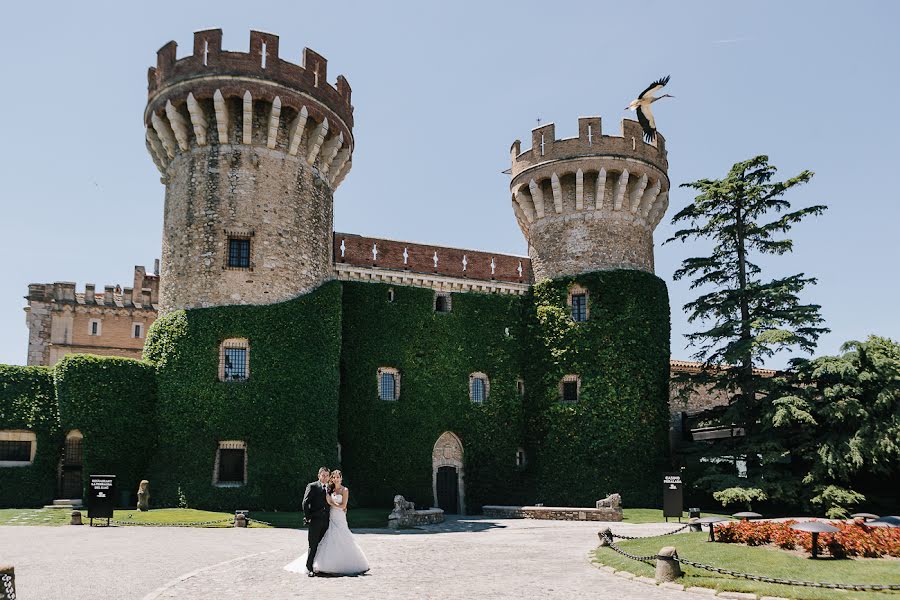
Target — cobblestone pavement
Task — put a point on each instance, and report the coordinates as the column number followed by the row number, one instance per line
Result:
column 469, row 558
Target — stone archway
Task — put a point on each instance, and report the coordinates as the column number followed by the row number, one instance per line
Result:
column 447, row 465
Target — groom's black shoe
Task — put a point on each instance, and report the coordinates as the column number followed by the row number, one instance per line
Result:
column 310, row 573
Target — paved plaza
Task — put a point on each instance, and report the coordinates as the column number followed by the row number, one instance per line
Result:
column 462, row 559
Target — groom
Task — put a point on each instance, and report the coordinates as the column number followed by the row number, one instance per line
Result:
column 315, row 511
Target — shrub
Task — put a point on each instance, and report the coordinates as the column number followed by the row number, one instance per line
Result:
column 852, row 539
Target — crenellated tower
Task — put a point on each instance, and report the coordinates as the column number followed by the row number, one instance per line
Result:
column 251, row 148
column 591, row 202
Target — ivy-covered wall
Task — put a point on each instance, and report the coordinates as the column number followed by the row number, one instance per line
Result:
column 615, row 439
column 313, row 382
column 27, row 402
column 387, row 445
column 286, row 411
column 112, row 402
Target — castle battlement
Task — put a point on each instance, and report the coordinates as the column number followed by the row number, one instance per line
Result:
column 215, row 98
column 261, row 63
column 589, row 142
column 144, row 293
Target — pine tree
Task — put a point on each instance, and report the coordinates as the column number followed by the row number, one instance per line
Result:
column 745, row 318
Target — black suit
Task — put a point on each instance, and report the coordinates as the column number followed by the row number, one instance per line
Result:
column 316, row 509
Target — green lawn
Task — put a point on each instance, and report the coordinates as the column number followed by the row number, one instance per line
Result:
column 771, row 562
column 655, row 515
column 359, row 518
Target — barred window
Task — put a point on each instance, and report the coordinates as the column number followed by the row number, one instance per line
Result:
column 15, row 451
column 239, row 253
column 388, row 383
column 230, row 468
column 17, row 448
column 579, row 307
column 478, row 387
column 569, row 389
column 234, row 360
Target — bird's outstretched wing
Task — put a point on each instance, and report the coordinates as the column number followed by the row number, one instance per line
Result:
column 655, row 86
column 648, row 123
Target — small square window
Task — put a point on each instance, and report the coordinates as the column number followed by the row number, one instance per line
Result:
column 478, row 390
column 234, row 360
column 231, row 465
column 579, row 307
column 442, row 302
column 387, row 386
column 570, row 391
column 239, row 253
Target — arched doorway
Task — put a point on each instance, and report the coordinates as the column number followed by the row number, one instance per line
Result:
column 70, row 473
column 447, row 474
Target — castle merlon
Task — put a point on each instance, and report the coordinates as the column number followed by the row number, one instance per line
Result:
column 413, row 257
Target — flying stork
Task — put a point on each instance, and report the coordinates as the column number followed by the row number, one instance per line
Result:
column 642, row 105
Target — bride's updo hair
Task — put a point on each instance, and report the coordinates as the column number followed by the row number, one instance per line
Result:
column 331, row 485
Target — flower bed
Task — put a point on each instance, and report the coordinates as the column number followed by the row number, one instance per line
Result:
column 853, row 539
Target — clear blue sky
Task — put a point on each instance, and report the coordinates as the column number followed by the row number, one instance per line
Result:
column 441, row 90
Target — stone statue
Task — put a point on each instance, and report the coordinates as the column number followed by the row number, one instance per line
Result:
column 402, row 507
column 143, row 502
column 611, row 501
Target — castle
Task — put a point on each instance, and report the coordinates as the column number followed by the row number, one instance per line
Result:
column 456, row 377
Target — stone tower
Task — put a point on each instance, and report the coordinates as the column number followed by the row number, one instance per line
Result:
column 251, row 148
column 589, row 203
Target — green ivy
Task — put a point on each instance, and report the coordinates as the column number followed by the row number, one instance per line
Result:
column 286, row 411
column 387, row 445
column 111, row 401
column 615, row 438
column 27, row 402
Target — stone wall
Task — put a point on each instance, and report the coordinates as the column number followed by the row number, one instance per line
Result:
column 556, row 513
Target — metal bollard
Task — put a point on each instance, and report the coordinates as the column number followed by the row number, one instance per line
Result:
column 76, row 518
column 7, row 582
column 667, row 568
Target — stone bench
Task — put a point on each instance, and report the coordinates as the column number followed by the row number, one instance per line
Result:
column 428, row 516
column 559, row 513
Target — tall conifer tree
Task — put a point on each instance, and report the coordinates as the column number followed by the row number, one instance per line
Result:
column 745, row 317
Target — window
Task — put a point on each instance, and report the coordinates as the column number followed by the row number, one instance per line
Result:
column 14, row 450
column 520, row 387
column 390, row 294
column 137, row 330
column 578, row 303
column 17, row 448
column 442, row 302
column 230, row 468
column 569, row 389
column 388, row 383
column 478, row 387
column 520, row 458
column 234, row 360
column 94, row 327
column 239, row 253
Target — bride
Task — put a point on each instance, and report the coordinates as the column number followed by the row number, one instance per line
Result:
column 338, row 553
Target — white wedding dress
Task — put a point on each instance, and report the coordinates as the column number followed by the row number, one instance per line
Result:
column 338, row 553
